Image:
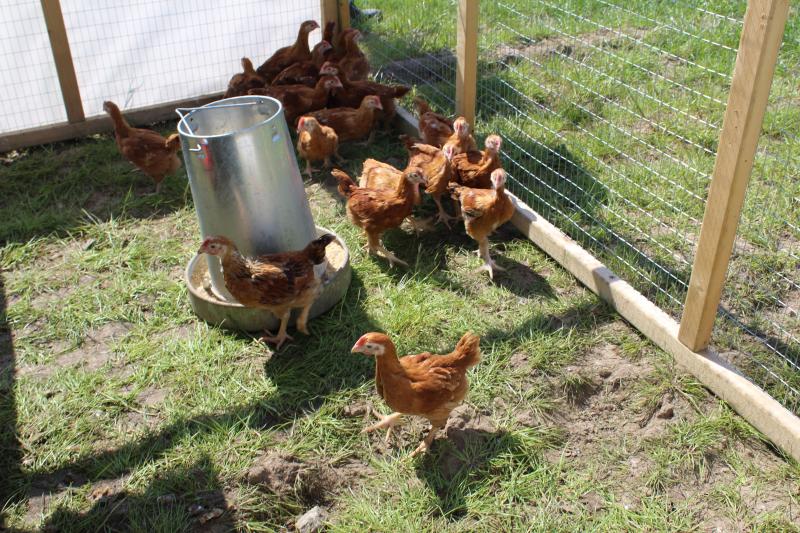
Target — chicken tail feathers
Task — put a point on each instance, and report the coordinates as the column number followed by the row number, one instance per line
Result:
column 400, row 91
column 346, row 183
column 173, row 142
column 316, row 248
column 409, row 141
column 468, row 350
column 455, row 191
column 422, row 106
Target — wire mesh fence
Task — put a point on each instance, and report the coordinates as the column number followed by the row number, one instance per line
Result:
column 138, row 52
column 413, row 43
column 610, row 113
column 29, row 92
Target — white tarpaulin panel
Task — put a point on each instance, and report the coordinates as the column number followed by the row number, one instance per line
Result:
column 137, row 52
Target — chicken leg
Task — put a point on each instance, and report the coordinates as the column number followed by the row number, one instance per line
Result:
column 281, row 337
column 302, row 320
column 488, row 265
column 425, row 445
column 376, row 246
column 387, row 421
column 309, row 169
column 442, row 215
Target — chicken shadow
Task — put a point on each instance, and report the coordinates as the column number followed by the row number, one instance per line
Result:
column 459, row 465
column 57, row 189
column 10, row 459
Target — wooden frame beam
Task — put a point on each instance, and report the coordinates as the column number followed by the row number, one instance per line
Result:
column 467, row 59
column 752, row 78
column 65, row 131
column 59, row 43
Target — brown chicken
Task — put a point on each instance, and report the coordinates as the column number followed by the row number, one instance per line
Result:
column 353, row 92
column 275, row 282
column 305, row 73
column 474, row 169
column 316, row 143
column 146, row 149
column 484, row 211
column 379, row 175
column 434, row 128
column 354, row 65
column 424, row 384
column 377, row 210
column 298, row 99
column 328, row 32
column 244, row 81
column 436, row 168
column 351, row 124
column 288, row 55
column 339, row 46
column 461, row 140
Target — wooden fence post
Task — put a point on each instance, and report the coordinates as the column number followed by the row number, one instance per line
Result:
column 467, row 56
column 329, row 10
column 752, row 78
column 344, row 14
column 59, row 43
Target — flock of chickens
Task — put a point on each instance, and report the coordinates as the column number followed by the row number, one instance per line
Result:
column 325, row 93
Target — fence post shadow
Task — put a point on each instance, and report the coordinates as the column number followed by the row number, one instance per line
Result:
column 11, row 457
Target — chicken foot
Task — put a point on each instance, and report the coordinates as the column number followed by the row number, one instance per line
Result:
column 442, row 216
column 281, row 337
column 387, row 421
column 425, row 445
column 488, row 265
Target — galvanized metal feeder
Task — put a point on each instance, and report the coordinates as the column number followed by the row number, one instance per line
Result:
column 246, row 185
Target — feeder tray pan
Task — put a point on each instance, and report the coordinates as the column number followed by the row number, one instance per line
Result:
column 232, row 315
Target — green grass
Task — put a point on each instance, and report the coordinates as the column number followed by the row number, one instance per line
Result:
column 175, row 412
column 610, row 116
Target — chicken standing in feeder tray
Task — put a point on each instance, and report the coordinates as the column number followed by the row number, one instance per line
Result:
column 276, row 282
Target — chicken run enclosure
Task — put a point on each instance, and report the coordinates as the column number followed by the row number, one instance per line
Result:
column 624, row 126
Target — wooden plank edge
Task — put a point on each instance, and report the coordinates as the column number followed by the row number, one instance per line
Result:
column 745, row 397
column 65, row 131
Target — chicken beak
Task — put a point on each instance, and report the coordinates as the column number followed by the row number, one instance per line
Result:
column 358, row 347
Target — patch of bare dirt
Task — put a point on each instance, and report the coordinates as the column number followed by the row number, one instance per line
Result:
column 47, row 299
column 568, row 46
column 313, row 482
column 152, row 396
column 595, row 412
column 96, row 351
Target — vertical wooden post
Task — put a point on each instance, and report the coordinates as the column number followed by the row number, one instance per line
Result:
column 329, row 10
column 344, row 14
column 467, row 57
column 752, row 78
column 54, row 20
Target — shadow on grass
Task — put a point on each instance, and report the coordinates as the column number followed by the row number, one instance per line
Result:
column 305, row 372
column 181, row 499
column 457, row 466
column 11, row 455
column 56, row 189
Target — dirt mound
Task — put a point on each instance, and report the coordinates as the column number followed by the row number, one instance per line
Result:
column 312, row 482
